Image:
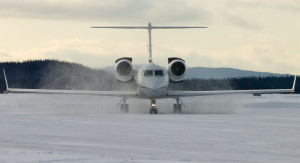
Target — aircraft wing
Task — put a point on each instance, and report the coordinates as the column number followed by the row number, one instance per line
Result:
column 207, row 93
column 78, row 92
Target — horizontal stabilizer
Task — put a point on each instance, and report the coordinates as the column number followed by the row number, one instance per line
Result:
column 147, row 27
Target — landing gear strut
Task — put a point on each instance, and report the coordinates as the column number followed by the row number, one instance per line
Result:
column 153, row 109
column 177, row 108
column 124, row 107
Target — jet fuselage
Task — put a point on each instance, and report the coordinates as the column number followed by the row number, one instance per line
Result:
column 152, row 81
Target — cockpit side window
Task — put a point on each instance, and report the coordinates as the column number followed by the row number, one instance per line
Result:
column 148, row 73
column 159, row 73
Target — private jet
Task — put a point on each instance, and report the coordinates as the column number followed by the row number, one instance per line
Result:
column 152, row 80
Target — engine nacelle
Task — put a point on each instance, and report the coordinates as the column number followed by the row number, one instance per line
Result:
column 176, row 69
column 123, row 69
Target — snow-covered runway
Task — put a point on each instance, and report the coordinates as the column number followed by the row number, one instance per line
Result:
column 60, row 128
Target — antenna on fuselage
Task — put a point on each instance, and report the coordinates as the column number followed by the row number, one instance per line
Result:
column 149, row 27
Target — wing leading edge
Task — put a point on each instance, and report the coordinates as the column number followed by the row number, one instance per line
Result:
column 207, row 93
column 75, row 92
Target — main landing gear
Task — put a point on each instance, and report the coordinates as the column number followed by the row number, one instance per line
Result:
column 124, row 107
column 153, row 109
column 177, row 108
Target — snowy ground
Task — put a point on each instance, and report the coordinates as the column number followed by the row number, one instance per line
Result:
column 64, row 128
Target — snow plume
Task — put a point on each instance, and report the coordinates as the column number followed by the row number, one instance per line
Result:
column 192, row 105
column 213, row 105
column 62, row 75
column 206, row 104
column 58, row 104
column 51, row 74
column 86, row 104
column 203, row 105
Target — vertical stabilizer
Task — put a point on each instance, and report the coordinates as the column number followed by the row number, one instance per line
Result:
column 150, row 42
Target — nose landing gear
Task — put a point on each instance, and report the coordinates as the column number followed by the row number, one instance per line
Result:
column 153, row 109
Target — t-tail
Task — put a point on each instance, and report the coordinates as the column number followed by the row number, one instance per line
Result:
column 149, row 28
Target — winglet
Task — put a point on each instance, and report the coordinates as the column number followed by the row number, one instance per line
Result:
column 293, row 89
column 5, row 80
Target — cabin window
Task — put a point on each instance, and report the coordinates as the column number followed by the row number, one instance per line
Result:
column 148, row 73
column 159, row 73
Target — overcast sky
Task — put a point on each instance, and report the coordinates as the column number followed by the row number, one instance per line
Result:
column 260, row 35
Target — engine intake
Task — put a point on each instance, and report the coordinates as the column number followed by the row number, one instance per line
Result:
column 176, row 69
column 123, row 69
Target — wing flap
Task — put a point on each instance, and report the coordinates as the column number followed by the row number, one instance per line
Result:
column 207, row 93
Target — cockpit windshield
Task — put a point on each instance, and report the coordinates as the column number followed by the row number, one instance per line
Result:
column 148, row 73
column 156, row 73
column 159, row 73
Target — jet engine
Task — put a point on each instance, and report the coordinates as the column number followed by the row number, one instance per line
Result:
column 176, row 69
column 123, row 69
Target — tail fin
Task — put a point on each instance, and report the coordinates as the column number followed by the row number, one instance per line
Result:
column 5, row 80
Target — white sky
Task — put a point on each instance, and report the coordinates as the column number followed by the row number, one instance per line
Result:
column 261, row 35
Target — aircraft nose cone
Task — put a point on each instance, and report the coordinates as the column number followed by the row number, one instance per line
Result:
column 155, row 84
column 152, row 85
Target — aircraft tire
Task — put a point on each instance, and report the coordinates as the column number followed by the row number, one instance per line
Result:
column 124, row 108
column 177, row 109
column 154, row 110
column 151, row 110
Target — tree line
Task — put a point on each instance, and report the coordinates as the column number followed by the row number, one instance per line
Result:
column 53, row 74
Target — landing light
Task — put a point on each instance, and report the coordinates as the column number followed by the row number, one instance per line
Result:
column 153, row 104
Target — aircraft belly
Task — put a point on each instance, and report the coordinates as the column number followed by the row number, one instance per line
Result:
column 148, row 92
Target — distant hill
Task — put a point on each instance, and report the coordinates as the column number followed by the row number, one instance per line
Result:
column 223, row 73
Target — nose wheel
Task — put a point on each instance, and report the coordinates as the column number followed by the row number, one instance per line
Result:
column 153, row 108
